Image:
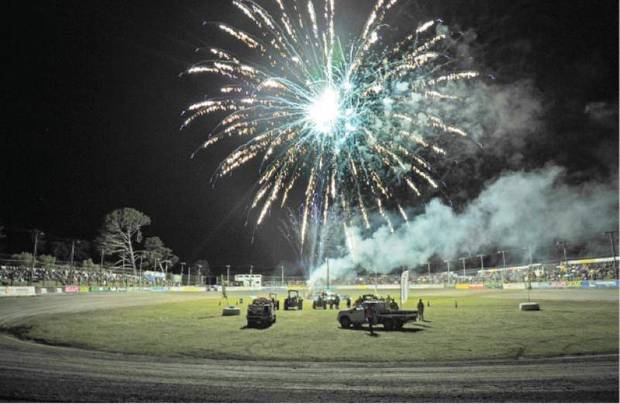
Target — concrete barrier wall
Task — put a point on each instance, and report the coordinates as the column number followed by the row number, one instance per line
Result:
column 19, row 291
column 518, row 285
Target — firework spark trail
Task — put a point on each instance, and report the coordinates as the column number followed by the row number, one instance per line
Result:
column 354, row 129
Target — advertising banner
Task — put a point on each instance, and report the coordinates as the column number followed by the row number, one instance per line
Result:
column 192, row 289
column 20, row 291
column 573, row 284
column 426, row 286
column 492, row 285
column 84, row 289
column 462, row 286
column 516, row 285
column 603, row 284
column 558, row 284
column 541, row 285
column 476, row 286
column 72, row 289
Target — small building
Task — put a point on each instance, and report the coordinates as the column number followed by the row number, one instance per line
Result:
column 250, row 281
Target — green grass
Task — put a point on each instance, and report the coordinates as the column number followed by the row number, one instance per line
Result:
column 485, row 325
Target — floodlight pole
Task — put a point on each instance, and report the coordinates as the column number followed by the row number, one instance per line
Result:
column 227, row 275
column 448, row 262
column 182, row 267
column 481, row 256
column 282, row 275
column 503, row 252
column 613, row 249
column 72, row 254
column 428, row 264
column 251, row 277
column 140, row 280
column 463, row 259
column 34, row 254
column 327, row 269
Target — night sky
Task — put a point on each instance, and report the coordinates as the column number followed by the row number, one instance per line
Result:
column 92, row 112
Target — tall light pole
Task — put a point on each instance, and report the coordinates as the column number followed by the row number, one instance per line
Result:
column 463, row 259
column 448, row 262
column 200, row 274
column 72, row 254
column 182, row 267
column 481, row 256
column 428, row 264
column 189, row 275
column 327, row 268
column 613, row 249
column 34, row 253
column 282, row 276
column 563, row 245
column 140, row 279
column 227, row 275
column 251, row 276
column 503, row 252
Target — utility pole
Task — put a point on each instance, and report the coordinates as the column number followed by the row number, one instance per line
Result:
column 448, row 262
column 282, row 277
column 251, row 276
column 227, row 275
column 200, row 274
column 189, row 275
column 613, row 249
column 182, row 267
column 428, row 264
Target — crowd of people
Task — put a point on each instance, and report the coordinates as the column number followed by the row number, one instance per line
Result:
column 65, row 275
column 11, row 275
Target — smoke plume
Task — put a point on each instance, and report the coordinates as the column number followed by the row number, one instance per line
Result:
column 519, row 209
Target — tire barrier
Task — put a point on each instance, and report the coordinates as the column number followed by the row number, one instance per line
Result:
column 231, row 311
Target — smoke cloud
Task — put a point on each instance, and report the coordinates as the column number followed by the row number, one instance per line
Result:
column 519, row 209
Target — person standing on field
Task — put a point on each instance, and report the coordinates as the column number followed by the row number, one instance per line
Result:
column 421, row 309
column 369, row 313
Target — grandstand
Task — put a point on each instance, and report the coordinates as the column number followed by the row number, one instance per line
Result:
column 586, row 269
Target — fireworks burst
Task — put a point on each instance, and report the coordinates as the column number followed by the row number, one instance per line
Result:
column 351, row 124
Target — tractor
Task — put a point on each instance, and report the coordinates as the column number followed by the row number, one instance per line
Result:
column 274, row 299
column 261, row 313
column 293, row 301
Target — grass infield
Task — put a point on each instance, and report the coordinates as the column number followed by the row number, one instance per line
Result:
column 486, row 325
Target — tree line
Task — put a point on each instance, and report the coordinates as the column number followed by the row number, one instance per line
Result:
column 121, row 242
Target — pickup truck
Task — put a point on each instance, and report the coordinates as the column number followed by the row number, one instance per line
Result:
column 391, row 319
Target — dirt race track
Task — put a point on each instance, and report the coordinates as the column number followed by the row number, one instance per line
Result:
column 35, row 372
